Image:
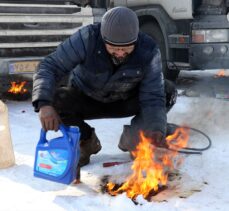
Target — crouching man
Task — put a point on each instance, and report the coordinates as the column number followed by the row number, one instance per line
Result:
column 116, row 72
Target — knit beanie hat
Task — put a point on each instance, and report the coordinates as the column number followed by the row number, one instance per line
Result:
column 120, row 26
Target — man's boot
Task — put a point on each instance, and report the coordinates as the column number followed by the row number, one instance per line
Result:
column 127, row 141
column 124, row 138
column 89, row 147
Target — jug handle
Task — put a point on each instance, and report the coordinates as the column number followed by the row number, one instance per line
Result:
column 43, row 133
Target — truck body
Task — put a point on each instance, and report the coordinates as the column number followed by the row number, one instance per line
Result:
column 30, row 30
column 192, row 34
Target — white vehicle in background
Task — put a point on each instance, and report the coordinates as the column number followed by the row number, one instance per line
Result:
column 192, row 34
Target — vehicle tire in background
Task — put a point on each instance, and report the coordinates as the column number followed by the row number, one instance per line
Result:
column 153, row 30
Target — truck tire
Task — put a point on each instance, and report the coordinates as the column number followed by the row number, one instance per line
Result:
column 153, row 30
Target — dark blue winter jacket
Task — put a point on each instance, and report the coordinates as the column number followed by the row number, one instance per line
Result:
column 85, row 56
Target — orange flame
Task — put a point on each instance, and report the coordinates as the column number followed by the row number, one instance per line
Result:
column 221, row 73
column 151, row 165
column 17, row 88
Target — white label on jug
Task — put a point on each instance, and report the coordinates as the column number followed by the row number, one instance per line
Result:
column 52, row 162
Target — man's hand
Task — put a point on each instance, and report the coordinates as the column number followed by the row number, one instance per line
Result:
column 157, row 138
column 49, row 118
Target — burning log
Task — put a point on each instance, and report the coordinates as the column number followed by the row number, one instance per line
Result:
column 151, row 167
column 220, row 74
column 116, row 187
column 17, row 91
column 17, row 88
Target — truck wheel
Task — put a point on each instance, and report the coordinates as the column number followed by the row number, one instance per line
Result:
column 153, row 30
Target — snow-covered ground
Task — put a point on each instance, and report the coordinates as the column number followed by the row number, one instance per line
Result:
column 203, row 179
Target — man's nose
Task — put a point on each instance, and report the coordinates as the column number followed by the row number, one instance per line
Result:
column 120, row 53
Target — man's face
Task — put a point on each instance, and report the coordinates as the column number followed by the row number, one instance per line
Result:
column 119, row 52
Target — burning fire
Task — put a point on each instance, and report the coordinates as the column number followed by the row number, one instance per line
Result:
column 221, row 73
column 151, row 166
column 17, row 88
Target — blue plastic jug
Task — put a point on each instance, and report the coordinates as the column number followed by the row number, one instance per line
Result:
column 57, row 159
